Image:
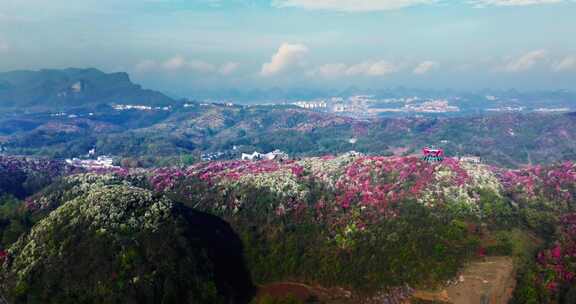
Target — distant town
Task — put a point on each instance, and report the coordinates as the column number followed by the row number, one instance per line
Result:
column 370, row 105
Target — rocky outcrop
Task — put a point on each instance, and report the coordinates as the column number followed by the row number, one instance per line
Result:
column 73, row 88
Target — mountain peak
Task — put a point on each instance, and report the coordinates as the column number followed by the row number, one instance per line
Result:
column 49, row 88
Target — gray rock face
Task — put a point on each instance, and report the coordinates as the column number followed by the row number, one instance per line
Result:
column 73, row 87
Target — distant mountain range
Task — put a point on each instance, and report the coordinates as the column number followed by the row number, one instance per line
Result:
column 73, row 88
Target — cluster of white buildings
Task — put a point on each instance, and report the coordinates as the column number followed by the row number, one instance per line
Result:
column 312, row 105
column 433, row 106
column 90, row 161
column 274, row 155
column 362, row 105
column 506, row 109
column 552, row 110
column 469, row 159
column 64, row 114
column 122, row 107
column 101, row 162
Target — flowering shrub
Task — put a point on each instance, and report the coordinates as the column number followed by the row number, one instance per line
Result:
column 330, row 187
column 379, row 182
column 558, row 264
column 118, row 243
column 24, row 176
column 68, row 188
column 556, row 184
column 373, row 185
column 460, row 187
column 3, row 256
column 326, row 169
column 333, row 211
column 106, row 209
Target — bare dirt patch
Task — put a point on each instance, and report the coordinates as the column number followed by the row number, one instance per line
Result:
column 487, row 281
column 303, row 292
column 490, row 280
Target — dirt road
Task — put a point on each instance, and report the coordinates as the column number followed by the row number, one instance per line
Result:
column 489, row 281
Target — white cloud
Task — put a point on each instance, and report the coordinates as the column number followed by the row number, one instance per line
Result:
column 179, row 63
column 174, row 63
column 228, row 68
column 566, row 64
column 200, row 66
column 368, row 68
column 4, row 46
column 425, row 67
column 379, row 68
column 524, row 62
column 384, row 5
column 331, row 70
column 350, row 5
column 484, row 3
column 287, row 56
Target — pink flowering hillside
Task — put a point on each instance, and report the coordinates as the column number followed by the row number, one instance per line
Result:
column 372, row 186
column 350, row 201
column 370, row 224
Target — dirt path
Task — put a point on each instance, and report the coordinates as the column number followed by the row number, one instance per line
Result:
column 487, row 281
column 490, row 281
column 303, row 292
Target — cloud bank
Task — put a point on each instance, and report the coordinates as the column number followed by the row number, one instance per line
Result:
column 179, row 63
column 385, row 5
column 425, row 67
column 285, row 58
column 524, row 62
column 484, row 3
column 368, row 68
column 566, row 64
column 350, row 5
column 4, row 46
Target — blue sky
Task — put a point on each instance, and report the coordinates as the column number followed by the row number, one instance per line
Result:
column 183, row 46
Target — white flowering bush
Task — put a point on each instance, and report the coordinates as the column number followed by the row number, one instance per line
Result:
column 118, row 244
column 458, row 186
column 112, row 210
column 327, row 169
column 482, row 177
column 70, row 187
column 281, row 183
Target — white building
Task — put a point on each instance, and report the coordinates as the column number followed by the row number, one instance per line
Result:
column 339, row 108
column 102, row 162
column 312, row 105
column 252, row 157
column 274, row 155
column 470, row 159
column 121, row 107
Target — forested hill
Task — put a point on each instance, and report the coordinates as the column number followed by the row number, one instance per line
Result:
column 66, row 113
column 510, row 140
column 371, row 229
column 57, row 89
